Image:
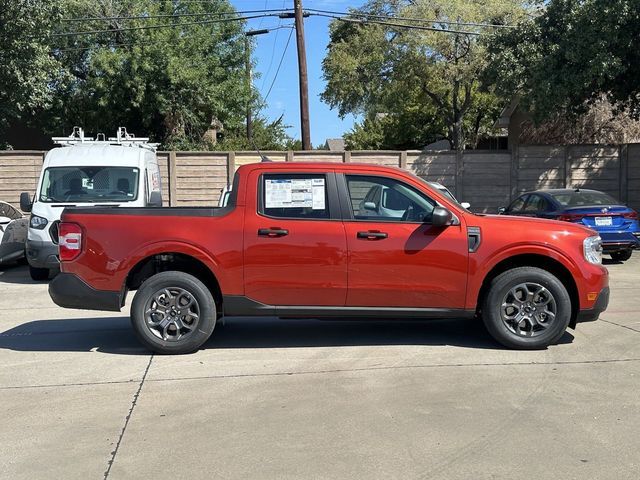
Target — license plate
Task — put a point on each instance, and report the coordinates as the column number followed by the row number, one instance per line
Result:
column 604, row 221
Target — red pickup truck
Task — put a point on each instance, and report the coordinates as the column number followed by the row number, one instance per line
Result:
column 324, row 240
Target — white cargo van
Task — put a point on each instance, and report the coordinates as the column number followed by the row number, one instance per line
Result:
column 118, row 172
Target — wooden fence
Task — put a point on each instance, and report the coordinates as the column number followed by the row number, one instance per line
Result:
column 486, row 179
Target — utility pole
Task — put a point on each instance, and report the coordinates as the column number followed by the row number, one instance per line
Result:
column 247, row 63
column 304, row 82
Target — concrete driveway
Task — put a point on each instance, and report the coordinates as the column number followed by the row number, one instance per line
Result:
column 305, row 399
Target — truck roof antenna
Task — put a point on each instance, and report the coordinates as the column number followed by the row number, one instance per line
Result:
column 263, row 158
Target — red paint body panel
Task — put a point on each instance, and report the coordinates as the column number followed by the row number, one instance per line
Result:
column 321, row 262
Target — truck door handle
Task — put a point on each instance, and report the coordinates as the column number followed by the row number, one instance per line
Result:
column 372, row 235
column 272, row 232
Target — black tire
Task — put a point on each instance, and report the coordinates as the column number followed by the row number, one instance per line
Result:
column 38, row 274
column 622, row 255
column 516, row 335
column 150, row 297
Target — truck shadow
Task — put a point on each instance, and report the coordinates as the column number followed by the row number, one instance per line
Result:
column 114, row 334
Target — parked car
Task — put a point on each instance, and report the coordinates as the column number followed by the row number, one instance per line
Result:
column 13, row 233
column 121, row 171
column 292, row 243
column 616, row 223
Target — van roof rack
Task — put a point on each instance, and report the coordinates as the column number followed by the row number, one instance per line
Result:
column 122, row 138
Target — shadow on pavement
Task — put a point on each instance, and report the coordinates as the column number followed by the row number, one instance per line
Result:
column 18, row 274
column 106, row 334
column 114, row 334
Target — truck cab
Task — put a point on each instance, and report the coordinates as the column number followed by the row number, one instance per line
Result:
column 118, row 172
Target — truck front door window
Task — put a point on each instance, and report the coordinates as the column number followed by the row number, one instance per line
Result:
column 386, row 199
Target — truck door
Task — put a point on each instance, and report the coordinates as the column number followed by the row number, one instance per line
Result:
column 295, row 249
column 396, row 257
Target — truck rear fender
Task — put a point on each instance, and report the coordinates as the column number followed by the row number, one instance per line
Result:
column 178, row 256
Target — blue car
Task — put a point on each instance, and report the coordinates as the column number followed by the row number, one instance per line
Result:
column 616, row 223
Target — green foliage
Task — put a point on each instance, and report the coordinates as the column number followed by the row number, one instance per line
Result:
column 570, row 55
column 425, row 83
column 172, row 84
column 27, row 69
column 266, row 136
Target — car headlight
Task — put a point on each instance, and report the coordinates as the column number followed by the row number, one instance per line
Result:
column 38, row 222
column 593, row 249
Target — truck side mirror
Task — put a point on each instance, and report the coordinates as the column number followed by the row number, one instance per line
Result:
column 502, row 210
column 466, row 205
column 441, row 217
column 155, row 199
column 370, row 206
column 25, row 202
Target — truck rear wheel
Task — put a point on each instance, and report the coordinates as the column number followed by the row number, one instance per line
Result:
column 526, row 308
column 173, row 313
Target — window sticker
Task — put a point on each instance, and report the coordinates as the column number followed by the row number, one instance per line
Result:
column 295, row 193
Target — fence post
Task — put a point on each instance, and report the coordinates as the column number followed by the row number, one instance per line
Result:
column 513, row 176
column 623, row 172
column 346, row 156
column 231, row 167
column 173, row 180
column 403, row 159
column 289, row 156
column 459, row 174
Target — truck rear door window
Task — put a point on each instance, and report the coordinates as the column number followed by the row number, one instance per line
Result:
column 302, row 196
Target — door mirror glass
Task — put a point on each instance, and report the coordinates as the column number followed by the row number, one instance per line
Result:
column 155, row 199
column 25, row 202
column 441, row 217
column 370, row 206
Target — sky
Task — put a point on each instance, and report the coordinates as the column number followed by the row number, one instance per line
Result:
column 284, row 98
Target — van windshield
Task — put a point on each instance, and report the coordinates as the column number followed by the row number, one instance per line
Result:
column 89, row 184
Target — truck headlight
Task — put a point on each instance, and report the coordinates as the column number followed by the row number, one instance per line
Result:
column 593, row 249
column 38, row 222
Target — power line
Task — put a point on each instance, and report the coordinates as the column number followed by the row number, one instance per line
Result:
column 279, row 65
column 128, row 44
column 168, row 15
column 410, row 19
column 398, row 25
column 273, row 50
column 152, row 27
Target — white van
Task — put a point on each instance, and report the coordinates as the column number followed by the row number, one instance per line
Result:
column 118, row 172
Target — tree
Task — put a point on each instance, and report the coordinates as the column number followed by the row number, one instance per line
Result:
column 169, row 83
column 574, row 52
column 418, row 79
column 27, row 69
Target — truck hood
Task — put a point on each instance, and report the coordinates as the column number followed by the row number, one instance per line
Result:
column 542, row 223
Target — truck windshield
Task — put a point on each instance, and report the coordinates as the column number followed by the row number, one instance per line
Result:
column 89, row 184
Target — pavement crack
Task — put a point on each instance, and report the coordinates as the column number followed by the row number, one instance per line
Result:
column 619, row 325
column 128, row 417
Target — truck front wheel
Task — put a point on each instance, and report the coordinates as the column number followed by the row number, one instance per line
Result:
column 173, row 313
column 526, row 308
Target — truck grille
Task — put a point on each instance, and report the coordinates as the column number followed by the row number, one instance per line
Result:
column 53, row 231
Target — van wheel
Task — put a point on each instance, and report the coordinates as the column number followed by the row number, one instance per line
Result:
column 38, row 274
column 173, row 313
column 622, row 255
column 526, row 308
